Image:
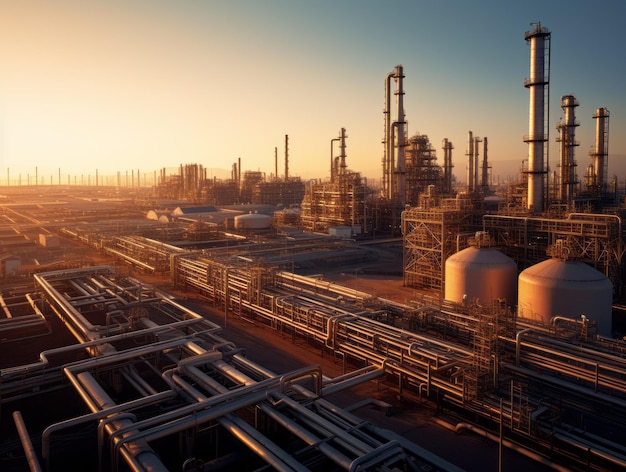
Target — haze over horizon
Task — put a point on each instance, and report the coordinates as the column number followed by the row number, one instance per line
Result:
column 117, row 86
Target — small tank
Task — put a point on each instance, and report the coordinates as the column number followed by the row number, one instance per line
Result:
column 568, row 288
column 252, row 221
column 480, row 273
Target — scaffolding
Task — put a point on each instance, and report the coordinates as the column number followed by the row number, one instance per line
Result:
column 338, row 203
column 433, row 232
column 422, row 171
column 250, row 180
column 592, row 238
column 284, row 193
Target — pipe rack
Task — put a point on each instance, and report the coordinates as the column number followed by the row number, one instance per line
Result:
column 346, row 322
column 203, row 380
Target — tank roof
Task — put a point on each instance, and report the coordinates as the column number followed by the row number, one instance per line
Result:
column 564, row 271
column 483, row 255
column 252, row 216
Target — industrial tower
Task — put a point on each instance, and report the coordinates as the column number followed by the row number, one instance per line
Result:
column 537, row 138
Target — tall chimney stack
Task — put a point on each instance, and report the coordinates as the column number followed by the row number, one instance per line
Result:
column 538, row 86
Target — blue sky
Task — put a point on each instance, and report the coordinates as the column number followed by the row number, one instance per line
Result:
column 120, row 85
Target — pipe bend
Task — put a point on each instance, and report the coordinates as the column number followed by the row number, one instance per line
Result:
column 313, row 371
column 518, row 344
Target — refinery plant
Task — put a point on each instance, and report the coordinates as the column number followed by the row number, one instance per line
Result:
column 505, row 320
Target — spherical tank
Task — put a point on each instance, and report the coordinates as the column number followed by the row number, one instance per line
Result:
column 252, row 221
column 565, row 288
column 481, row 274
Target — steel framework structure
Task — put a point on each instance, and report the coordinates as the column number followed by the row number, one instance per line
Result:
column 593, row 238
column 338, row 203
column 432, row 233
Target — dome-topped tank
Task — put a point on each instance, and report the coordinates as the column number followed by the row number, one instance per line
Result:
column 481, row 273
column 558, row 287
column 252, row 221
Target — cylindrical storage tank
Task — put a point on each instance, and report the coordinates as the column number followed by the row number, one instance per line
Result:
column 252, row 221
column 481, row 274
column 565, row 288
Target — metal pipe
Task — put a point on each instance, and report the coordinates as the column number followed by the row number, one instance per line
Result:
column 74, row 377
column 359, row 447
column 139, row 454
column 368, row 340
column 590, row 369
column 376, row 456
column 459, row 427
column 29, row 450
column 86, row 329
column 607, row 399
column 221, row 405
column 98, row 415
column 569, row 430
column 337, row 386
column 204, row 408
column 307, row 436
column 590, row 448
column 518, row 344
column 103, row 424
column 44, row 355
column 275, row 456
column 357, row 422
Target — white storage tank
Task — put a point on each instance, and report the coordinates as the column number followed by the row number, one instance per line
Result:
column 481, row 273
column 252, row 221
column 340, row 231
column 557, row 287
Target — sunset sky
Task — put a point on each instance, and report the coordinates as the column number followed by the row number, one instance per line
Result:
column 118, row 85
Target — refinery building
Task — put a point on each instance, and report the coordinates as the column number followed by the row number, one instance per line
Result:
column 186, row 322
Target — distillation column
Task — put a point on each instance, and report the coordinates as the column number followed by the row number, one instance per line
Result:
column 333, row 161
column 470, row 162
column 399, row 125
column 342, row 154
column 477, row 141
column 601, row 151
column 484, row 183
column 538, row 85
column 338, row 163
column 387, row 159
column 394, row 172
column 447, row 164
column 567, row 134
column 286, row 158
